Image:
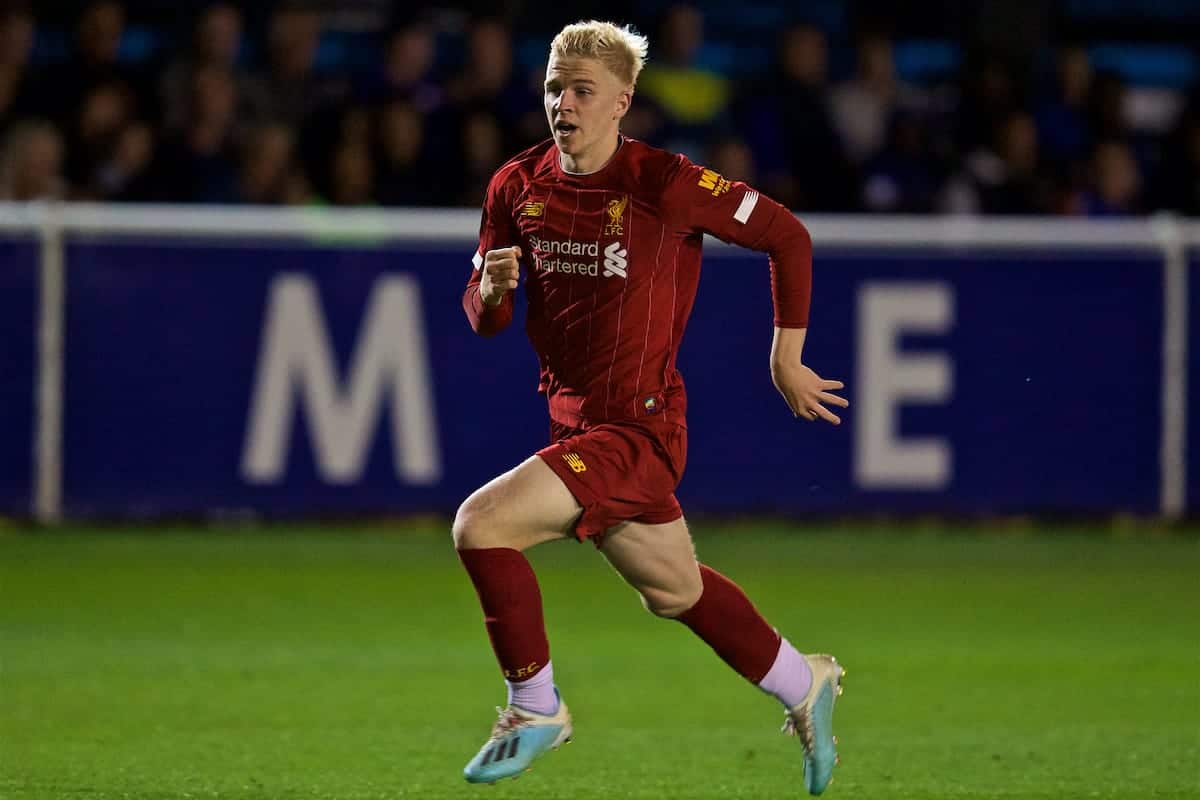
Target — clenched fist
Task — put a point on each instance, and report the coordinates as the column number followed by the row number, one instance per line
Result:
column 501, row 272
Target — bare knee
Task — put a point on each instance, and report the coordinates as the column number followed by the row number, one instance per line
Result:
column 488, row 518
column 671, row 603
column 474, row 524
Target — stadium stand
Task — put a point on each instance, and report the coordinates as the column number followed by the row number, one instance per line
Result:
column 1080, row 107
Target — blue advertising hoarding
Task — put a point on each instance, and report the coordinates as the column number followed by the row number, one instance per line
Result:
column 309, row 378
column 980, row 382
column 18, row 358
column 166, row 349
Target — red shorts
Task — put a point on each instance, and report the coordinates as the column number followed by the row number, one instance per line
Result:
column 620, row 471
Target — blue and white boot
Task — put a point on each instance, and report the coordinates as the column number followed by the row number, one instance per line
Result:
column 518, row 737
column 812, row 721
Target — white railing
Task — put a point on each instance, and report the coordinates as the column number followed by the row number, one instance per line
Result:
column 54, row 224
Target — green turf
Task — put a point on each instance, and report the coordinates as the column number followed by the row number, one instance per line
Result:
column 352, row 663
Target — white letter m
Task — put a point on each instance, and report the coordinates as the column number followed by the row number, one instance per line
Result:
column 297, row 359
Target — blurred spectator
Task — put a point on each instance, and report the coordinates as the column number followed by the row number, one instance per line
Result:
column 1179, row 184
column 298, row 189
column 863, row 106
column 198, row 161
column 483, row 152
column 326, row 135
column 1116, row 182
column 488, row 71
column 99, row 34
column 692, row 98
column 1004, row 178
column 1107, row 117
column 644, row 121
column 903, row 177
column 404, row 178
column 352, row 175
column 104, row 112
column 734, row 159
column 405, row 70
column 216, row 42
column 94, row 62
column 290, row 91
column 489, row 82
column 268, row 161
column 1062, row 116
column 988, row 96
column 789, row 125
column 355, row 127
column 31, row 163
column 1111, row 119
column 16, row 44
column 125, row 175
column 531, row 125
column 1022, row 189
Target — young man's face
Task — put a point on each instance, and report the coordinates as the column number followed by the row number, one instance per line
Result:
column 584, row 103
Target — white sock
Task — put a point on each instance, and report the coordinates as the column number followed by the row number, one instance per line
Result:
column 790, row 677
column 536, row 694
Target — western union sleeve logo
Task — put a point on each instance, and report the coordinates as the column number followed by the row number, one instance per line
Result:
column 574, row 462
column 534, row 208
column 713, row 182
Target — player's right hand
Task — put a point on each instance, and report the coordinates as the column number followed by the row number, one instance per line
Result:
column 501, row 273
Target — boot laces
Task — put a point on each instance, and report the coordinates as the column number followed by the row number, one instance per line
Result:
column 799, row 723
column 509, row 719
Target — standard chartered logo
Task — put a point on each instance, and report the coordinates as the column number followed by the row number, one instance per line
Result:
column 614, row 260
column 578, row 258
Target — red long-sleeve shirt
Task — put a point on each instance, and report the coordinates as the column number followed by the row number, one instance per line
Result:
column 611, row 262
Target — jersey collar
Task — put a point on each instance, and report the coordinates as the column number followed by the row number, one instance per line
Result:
column 588, row 178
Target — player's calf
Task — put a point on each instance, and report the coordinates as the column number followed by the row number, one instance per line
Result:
column 670, row 603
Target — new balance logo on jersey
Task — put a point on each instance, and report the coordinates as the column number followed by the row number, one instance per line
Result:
column 574, row 462
column 746, row 207
column 615, row 260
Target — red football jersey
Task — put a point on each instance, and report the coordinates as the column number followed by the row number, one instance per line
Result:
column 611, row 261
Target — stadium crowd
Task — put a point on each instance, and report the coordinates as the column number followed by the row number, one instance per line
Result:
column 241, row 110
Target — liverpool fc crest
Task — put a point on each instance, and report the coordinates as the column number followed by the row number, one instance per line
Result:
column 616, row 216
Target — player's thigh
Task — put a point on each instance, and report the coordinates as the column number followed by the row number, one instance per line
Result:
column 525, row 506
column 659, row 561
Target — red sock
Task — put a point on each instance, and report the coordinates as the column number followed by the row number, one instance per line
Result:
column 730, row 624
column 512, row 609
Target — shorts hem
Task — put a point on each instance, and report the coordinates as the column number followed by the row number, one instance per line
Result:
column 595, row 520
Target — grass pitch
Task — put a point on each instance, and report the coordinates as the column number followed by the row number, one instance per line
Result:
column 342, row 662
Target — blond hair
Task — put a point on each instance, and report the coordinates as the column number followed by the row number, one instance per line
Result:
column 622, row 50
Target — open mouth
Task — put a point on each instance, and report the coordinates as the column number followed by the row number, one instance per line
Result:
column 565, row 128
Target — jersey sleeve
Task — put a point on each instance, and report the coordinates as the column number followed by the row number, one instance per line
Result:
column 496, row 230
column 701, row 201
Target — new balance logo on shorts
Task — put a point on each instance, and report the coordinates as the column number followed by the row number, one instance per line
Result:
column 574, row 462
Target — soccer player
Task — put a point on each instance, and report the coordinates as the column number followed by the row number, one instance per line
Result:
column 607, row 232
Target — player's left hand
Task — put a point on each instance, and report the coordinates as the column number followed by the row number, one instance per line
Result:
column 807, row 393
